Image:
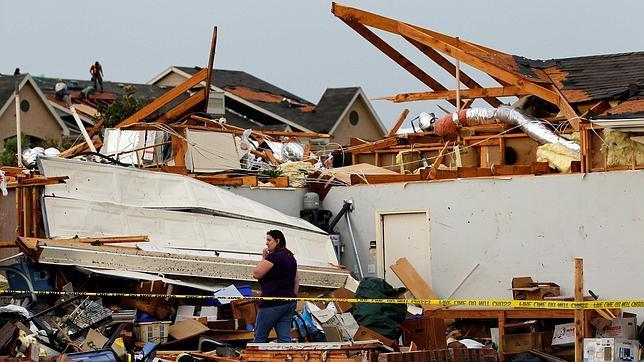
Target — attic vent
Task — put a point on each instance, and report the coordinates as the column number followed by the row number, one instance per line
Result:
column 216, row 103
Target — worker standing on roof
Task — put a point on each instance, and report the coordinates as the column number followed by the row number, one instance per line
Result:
column 277, row 276
column 16, row 72
column 97, row 75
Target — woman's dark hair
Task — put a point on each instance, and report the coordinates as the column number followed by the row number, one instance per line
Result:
column 281, row 240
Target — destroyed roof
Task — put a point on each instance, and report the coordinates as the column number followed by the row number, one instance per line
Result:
column 595, row 77
column 118, row 89
column 332, row 105
column 260, row 93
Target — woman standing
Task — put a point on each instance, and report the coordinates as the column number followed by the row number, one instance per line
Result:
column 277, row 276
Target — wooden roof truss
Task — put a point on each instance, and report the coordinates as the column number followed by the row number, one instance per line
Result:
column 436, row 46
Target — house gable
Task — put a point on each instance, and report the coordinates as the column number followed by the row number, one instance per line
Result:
column 37, row 117
column 357, row 121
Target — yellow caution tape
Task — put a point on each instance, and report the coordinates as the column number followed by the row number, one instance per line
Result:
column 535, row 304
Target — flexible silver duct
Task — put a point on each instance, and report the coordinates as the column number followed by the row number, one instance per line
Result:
column 512, row 116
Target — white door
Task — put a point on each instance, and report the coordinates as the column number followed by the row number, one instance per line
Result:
column 404, row 234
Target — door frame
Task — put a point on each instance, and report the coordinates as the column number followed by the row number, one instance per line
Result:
column 380, row 257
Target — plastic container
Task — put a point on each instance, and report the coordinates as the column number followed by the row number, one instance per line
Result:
column 41, row 278
column 311, row 201
column 103, row 355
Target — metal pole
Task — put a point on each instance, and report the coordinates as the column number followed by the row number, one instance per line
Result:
column 80, row 125
column 355, row 248
column 458, row 81
column 18, row 128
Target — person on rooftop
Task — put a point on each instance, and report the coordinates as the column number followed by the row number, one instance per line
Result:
column 16, row 72
column 61, row 92
column 97, row 75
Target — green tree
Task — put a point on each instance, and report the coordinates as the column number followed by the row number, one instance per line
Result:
column 8, row 155
column 122, row 108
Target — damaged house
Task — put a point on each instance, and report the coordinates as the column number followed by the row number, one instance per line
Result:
column 251, row 102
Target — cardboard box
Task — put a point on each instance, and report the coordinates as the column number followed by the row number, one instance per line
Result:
column 524, row 288
column 156, row 332
column 344, row 323
column 366, row 334
column 343, row 307
column 622, row 328
column 187, row 328
column 564, row 335
column 611, row 350
column 245, row 309
column 522, row 342
column 427, row 333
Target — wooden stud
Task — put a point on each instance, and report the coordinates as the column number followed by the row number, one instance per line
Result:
column 480, row 63
column 390, row 25
column 579, row 313
column 450, row 68
column 370, row 147
column 183, row 107
column 439, row 159
column 394, row 55
column 211, row 61
column 90, row 240
column 166, row 98
column 401, row 118
column 179, row 149
column 382, row 178
column 414, row 282
column 465, row 94
column 35, row 191
column 19, row 208
column 501, row 346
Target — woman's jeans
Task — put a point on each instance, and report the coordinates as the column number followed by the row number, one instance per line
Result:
column 278, row 317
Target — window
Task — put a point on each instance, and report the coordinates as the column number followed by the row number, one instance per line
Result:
column 354, row 118
column 24, row 105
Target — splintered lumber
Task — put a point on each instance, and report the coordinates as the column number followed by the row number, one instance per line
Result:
column 464, row 93
column 166, row 98
column 579, row 314
column 201, row 356
column 399, row 122
column 183, row 107
column 94, row 241
column 81, row 147
column 414, row 282
column 382, row 178
column 37, row 181
column 370, row 147
column 439, row 159
column 225, row 180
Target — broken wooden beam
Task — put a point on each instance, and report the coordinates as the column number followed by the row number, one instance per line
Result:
column 414, row 282
column 225, row 180
column 90, row 240
column 465, row 94
column 401, row 118
column 166, row 98
column 382, row 178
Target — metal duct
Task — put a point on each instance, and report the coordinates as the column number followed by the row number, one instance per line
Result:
column 512, row 116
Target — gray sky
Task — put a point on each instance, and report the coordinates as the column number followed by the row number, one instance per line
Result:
column 298, row 44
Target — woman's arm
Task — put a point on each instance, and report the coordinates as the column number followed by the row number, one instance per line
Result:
column 262, row 268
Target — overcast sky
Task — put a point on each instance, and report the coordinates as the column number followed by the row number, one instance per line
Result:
column 298, row 45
